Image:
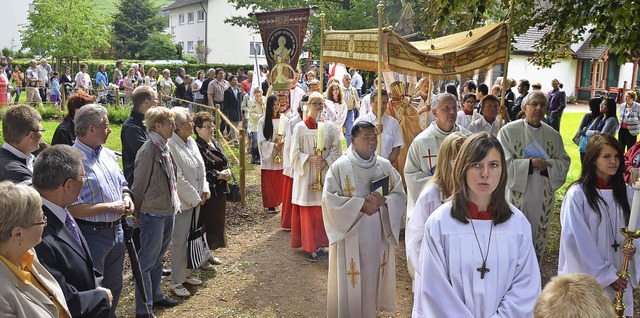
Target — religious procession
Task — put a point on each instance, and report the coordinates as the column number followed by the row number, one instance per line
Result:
column 461, row 176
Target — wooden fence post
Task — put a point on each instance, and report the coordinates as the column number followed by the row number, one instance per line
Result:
column 241, row 169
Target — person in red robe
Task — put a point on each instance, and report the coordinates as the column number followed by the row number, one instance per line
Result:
column 270, row 144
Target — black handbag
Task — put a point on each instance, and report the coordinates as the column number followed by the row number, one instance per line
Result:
column 197, row 247
column 234, row 190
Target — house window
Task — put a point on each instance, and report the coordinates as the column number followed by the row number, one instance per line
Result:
column 181, row 19
column 599, row 74
column 201, row 43
column 585, row 74
column 181, row 45
column 173, row 30
column 201, row 16
column 255, row 48
column 190, row 17
column 190, row 46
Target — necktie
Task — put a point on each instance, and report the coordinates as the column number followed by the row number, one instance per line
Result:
column 70, row 224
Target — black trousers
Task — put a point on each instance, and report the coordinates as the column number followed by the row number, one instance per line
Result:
column 626, row 139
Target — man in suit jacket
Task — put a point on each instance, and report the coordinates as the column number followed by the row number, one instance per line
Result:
column 59, row 176
column 22, row 129
column 231, row 105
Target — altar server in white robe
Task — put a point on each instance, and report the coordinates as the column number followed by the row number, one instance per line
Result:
column 287, row 208
column 310, row 233
column 433, row 195
column 477, row 249
column 488, row 121
column 538, row 166
column 389, row 128
column 594, row 209
column 423, row 152
column 467, row 115
column 336, row 104
column 363, row 227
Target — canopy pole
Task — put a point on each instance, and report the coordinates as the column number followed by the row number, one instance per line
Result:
column 429, row 94
column 321, row 75
column 379, row 80
column 505, row 78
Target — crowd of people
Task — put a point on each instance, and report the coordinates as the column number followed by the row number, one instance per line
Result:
column 472, row 184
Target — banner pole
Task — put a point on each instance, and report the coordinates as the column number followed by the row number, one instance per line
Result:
column 505, row 78
column 321, row 75
column 380, row 48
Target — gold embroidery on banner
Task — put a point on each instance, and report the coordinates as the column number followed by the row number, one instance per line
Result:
column 353, row 273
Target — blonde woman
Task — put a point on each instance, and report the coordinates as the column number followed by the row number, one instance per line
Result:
column 151, row 79
column 433, row 195
column 129, row 84
column 27, row 289
column 166, row 88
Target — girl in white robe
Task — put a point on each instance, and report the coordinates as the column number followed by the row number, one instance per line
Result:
column 594, row 209
column 336, row 104
column 477, row 257
column 437, row 190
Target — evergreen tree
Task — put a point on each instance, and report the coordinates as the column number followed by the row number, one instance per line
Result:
column 134, row 22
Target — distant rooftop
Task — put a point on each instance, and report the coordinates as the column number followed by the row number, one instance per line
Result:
column 182, row 3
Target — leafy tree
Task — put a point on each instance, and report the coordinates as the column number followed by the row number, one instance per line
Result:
column 339, row 15
column 134, row 23
column 68, row 28
column 613, row 23
column 158, row 47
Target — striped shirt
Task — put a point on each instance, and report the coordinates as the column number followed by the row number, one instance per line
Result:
column 217, row 88
column 105, row 180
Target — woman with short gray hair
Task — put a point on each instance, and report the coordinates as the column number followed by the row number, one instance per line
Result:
column 28, row 289
column 193, row 190
column 255, row 109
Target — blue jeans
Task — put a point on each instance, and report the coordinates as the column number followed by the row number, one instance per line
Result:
column 107, row 251
column 348, row 123
column 155, row 235
column 16, row 94
column 554, row 122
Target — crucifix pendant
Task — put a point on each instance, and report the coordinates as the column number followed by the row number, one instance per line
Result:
column 615, row 245
column 484, row 269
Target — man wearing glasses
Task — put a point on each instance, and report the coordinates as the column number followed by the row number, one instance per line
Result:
column 59, row 176
column 537, row 165
column 22, row 131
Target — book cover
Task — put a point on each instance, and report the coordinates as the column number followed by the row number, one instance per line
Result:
column 380, row 185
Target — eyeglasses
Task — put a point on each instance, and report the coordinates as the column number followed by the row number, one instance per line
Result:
column 316, row 104
column 84, row 177
column 39, row 130
column 537, row 105
column 43, row 222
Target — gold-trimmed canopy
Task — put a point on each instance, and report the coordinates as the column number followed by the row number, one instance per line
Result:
column 445, row 57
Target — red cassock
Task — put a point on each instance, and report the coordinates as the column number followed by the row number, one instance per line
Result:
column 287, row 207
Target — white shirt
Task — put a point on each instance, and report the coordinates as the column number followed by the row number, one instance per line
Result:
column 391, row 133
column 29, row 158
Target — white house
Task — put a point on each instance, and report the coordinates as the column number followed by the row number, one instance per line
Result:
column 202, row 21
column 589, row 72
column 16, row 13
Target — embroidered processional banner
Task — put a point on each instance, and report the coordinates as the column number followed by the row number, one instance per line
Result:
column 445, row 57
column 282, row 35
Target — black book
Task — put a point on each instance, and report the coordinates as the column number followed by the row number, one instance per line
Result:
column 380, row 185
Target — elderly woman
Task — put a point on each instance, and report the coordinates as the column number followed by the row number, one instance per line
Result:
column 156, row 201
column 193, row 191
column 180, row 86
column 255, row 110
column 27, row 288
column 166, row 87
column 65, row 132
column 629, row 114
column 212, row 213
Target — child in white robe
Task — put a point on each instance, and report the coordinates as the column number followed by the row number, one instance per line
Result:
column 594, row 209
column 438, row 189
column 477, row 248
